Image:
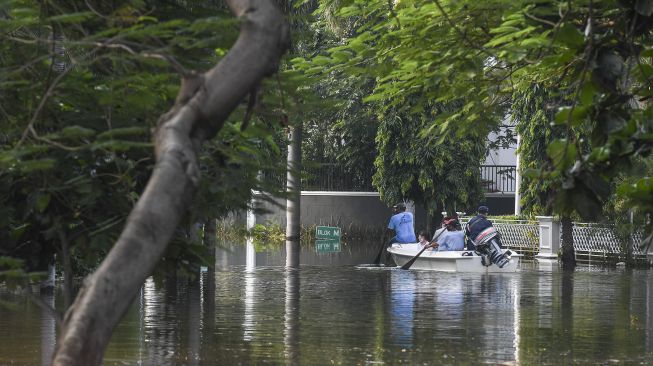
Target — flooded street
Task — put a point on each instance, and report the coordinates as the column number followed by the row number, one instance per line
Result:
column 252, row 310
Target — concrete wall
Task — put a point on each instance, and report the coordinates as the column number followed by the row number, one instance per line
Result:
column 343, row 209
column 500, row 204
column 354, row 210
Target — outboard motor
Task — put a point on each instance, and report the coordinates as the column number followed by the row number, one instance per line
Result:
column 487, row 246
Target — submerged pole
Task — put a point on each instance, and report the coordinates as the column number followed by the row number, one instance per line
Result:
column 293, row 188
column 517, row 179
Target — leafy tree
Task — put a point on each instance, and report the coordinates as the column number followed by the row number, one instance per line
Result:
column 591, row 60
column 80, row 84
column 76, row 139
column 442, row 176
column 381, row 58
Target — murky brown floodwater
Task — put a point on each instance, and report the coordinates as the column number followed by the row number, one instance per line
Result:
column 253, row 311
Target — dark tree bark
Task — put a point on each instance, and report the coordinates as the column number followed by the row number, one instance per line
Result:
column 67, row 269
column 203, row 104
column 568, row 252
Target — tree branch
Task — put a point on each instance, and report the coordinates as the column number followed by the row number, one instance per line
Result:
column 203, row 104
column 461, row 33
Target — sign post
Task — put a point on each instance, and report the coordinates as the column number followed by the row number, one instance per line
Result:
column 327, row 239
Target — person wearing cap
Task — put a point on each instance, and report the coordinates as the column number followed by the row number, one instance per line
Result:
column 401, row 225
column 452, row 238
column 476, row 225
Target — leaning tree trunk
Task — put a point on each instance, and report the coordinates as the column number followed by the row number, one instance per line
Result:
column 203, row 104
column 568, row 253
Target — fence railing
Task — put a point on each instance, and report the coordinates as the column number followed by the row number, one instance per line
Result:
column 498, row 178
column 328, row 177
column 520, row 235
column 600, row 240
column 590, row 240
column 335, row 177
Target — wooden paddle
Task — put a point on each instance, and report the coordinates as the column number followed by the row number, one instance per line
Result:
column 412, row 260
column 377, row 260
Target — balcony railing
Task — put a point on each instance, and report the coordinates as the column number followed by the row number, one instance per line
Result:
column 498, row 178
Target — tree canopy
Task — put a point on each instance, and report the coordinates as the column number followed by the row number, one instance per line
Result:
column 574, row 77
column 81, row 88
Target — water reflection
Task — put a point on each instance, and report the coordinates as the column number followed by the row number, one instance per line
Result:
column 195, row 321
column 251, row 312
column 649, row 313
column 160, row 317
column 249, row 321
column 48, row 328
column 402, row 299
column 291, row 318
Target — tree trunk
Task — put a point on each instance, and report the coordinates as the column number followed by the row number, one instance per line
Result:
column 203, row 104
column 210, row 239
column 294, row 189
column 568, row 252
column 68, row 292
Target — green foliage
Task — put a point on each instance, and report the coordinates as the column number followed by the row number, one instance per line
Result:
column 443, row 176
column 574, row 76
column 81, row 88
column 267, row 236
column 594, row 80
column 392, row 92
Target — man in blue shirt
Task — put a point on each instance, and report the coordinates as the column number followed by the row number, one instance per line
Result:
column 401, row 225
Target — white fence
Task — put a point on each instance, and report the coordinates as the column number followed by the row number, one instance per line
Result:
column 595, row 239
column 589, row 239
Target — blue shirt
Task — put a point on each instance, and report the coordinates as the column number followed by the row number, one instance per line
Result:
column 451, row 240
column 402, row 224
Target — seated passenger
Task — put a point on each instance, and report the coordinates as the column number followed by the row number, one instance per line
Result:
column 423, row 239
column 452, row 239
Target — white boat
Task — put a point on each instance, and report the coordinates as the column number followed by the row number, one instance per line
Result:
column 449, row 261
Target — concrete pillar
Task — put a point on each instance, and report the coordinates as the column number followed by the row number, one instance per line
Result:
column 251, row 216
column 50, row 282
column 549, row 237
column 517, row 179
column 294, row 189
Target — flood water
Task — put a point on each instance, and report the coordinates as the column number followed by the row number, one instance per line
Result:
column 253, row 311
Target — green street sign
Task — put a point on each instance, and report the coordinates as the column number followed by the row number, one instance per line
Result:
column 327, row 232
column 327, row 246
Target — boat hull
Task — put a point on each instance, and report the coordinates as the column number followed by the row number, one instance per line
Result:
column 450, row 261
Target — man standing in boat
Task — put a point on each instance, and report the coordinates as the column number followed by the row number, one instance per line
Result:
column 401, row 225
column 476, row 225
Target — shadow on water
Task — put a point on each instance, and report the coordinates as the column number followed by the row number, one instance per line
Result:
column 253, row 309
